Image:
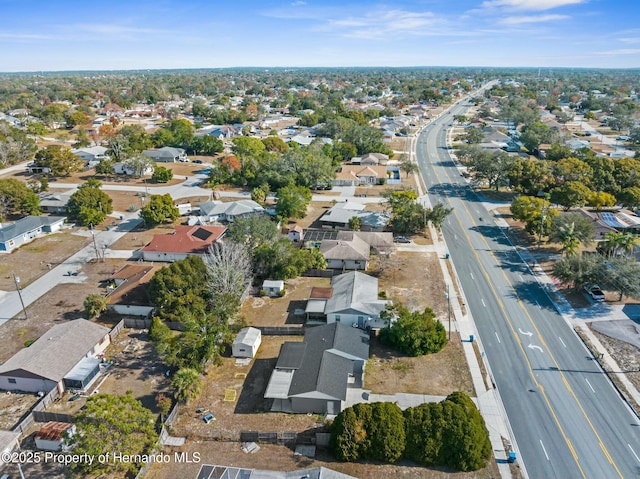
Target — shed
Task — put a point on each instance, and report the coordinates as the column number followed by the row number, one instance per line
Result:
column 273, row 287
column 247, row 343
column 52, row 437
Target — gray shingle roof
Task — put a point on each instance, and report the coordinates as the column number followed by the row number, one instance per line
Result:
column 26, row 224
column 356, row 292
column 356, row 249
column 56, row 352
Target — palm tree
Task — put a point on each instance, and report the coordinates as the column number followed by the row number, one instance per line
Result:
column 187, row 383
column 616, row 243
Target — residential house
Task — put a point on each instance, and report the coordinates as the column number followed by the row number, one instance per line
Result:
column 609, row 222
column 25, row 230
column 223, row 132
column 128, row 290
column 34, row 169
column 184, row 241
column 338, row 217
column 9, row 442
column 351, row 300
column 313, row 376
column 91, row 156
column 55, row 202
column 345, row 255
column 354, row 175
column 121, row 168
column 166, row 154
column 295, row 233
column 63, row 358
column 246, row 343
column 370, row 159
column 54, row 435
column 273, row 287
column 209, row 470
column 217, row 211
column 575, row 144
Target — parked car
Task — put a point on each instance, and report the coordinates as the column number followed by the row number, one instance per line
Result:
column 594, row 291
column 401, row 239
column 209, row 417
column 198, row 161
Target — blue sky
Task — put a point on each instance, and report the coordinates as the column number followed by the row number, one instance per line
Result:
column 45, row 35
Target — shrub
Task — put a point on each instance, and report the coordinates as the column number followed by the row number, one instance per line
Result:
column 263, row 292
column 415, row 333
column 281, row 293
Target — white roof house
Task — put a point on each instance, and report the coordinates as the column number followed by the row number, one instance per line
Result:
column 246, row 343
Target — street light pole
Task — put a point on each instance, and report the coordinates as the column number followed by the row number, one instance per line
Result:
column 16, row 280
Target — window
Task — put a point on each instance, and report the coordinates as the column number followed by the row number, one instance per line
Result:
column 12, row 381
column 337, row 318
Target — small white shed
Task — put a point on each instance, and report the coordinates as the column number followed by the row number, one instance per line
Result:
column 273, row 287
column 247, row 343
column 53, row 435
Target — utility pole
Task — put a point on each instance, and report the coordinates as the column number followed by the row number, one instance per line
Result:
column 95, row 246
column 16, row 280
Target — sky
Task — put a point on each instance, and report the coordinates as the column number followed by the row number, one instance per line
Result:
column 46, row 35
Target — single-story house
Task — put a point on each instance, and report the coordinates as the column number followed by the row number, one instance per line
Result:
column 9, row 442
column 313, row 376
column 121, row 168
column 33, row 168
column 25, row 230
column 55, row 202
column 128, row 290
column 350, row 254
column 183, row 242
column 339, row 215
column 166, row 154
column 91, row 155
column 54, row 435
column 217, row 211
column 352, row 175
column 45, row 364
column 370, row 159
column 246, row 343
column 210, row 470
column 351, row 300
column 273, row 287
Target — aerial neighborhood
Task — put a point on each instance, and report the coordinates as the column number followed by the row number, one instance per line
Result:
column 315, row 273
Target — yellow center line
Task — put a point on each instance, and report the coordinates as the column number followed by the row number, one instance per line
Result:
column 516, row 336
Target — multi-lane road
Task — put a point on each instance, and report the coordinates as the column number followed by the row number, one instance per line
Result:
column 568, row 420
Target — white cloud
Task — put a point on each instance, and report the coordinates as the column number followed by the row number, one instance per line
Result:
column 113, row 29
column 378, row 24
column 621, row 51
column 298, row 3
column 534, row 5
column 532, row 19
column 629, row 40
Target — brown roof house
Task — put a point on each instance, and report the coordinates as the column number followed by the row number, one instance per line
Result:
column 184, row 241
column 353, row 175
column 65, row 357
column 127, row 292
column 54, row 435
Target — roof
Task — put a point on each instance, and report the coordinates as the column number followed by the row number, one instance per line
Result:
column 355, row 249
column 133, row 288
column 26, row 224
column 57, row 352
column 291, row 355
column 186, row 239
column 53, row 431
column 320, row 292
column 357, row 292
column 354, row 172
column 232, row 208
column 81, row 370
column 247, row 336
column 273, row 283
column 94, row 150
column 208, row 471
column 325, row 375
column 342, row 212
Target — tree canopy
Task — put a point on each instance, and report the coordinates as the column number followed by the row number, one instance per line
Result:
column 415, row 333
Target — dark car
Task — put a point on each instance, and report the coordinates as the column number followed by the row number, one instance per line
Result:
column 198, row 161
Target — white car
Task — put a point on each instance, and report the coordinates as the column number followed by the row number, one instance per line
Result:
column 594, row 291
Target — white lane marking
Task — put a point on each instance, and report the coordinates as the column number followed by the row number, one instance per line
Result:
column 634, row 453
column 498, row 337
column 534, row 346
column 544, row 450
column 539, row 307
column 562, row 341
column 521, row 279
column 526, row 333
column 483, row 304
column 590, row 385
column 472, row 276
column 455, row 236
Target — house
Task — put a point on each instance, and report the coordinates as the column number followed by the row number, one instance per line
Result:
column 128, row 290
column 57, row 358
column 91, row 155
column 338, row 217
column 55, row 202
column 351, row 254
column 183, row 242
column 352, row 175
column 246, row 343
column 9, row 442
column 209, row 470
column 273, row 287
column 224, row 132
column 121, row 168
column 25, row 230
column 54, row 435
column 166, row 154
column 33, row 168
column 370, row 159
column 295, row 233
column 313, row 376
column 351, row 300
column 216, row 211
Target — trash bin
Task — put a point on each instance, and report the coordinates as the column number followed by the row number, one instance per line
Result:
column 107, row 228
column 512, row 457
column 471, row 338
column 121, row 217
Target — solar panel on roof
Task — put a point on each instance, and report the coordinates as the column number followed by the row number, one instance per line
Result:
column 205, row 472
column 611, row 220
column 202, row 234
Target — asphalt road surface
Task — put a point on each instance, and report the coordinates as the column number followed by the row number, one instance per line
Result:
column 567, row 418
